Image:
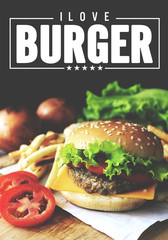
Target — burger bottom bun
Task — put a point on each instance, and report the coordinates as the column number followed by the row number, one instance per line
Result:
column 102, row 202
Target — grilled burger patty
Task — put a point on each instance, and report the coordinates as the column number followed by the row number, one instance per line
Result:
column 95, row 183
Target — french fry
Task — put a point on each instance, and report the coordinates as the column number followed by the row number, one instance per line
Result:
column 54, row 171
column 35, row 144
column 165, row 149
column 39, row 171
column 159, row 133
column 42, row 140
column 49, row 133
column 16, row 154
column 39, row 154
column 48, row 138
column 30, row 149
column 164, row 139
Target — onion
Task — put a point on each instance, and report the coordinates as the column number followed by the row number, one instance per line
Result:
column 56, row 114
column 18, row 125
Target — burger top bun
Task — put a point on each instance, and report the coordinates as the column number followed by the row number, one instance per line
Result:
column 135, row 139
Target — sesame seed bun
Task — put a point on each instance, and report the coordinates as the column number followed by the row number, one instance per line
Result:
column 134, row 138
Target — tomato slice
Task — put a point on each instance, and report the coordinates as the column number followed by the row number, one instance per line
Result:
column 98, row 169
column 138, row 178
column 16, row 178
column 27, row 205
column 79, row 165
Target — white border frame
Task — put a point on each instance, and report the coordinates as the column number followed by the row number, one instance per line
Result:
column 106, row 68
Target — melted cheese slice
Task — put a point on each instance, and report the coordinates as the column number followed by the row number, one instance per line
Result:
column 64, row 182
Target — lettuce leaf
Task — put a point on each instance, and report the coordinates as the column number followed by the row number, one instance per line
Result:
column 115, row 156
column 147, row 105
column 159, row 170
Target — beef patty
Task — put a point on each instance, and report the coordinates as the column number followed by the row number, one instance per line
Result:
column 95, row 183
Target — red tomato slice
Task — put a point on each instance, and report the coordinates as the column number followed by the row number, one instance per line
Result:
column 79, row 165
column 138, row 178
column 27, row 205
column 16, row 178
column 98, row 169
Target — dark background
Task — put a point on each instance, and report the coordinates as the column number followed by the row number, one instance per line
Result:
column 30, row 87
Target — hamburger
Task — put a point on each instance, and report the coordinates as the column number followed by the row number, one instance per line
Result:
column 109, row 165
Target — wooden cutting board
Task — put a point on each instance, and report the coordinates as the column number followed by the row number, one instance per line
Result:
column 63, row 226
column 66, row 227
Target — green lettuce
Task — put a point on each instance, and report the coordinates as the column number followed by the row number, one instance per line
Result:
column 135, row 103
column 118, row 161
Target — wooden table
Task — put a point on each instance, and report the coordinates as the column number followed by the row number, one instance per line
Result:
column 63, row 226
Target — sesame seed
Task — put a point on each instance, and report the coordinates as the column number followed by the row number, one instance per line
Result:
column 145, row 190
column 137, row 144
column 119, row 133
column 116, row 126
column 148, row 144
column 109, row 132
column 108, row 121
column 118, row 122
column 119, row 140
column 124, row 128
column 155, row 137
column 86, row 132
column 132, row 137
column 148, row 138
column 131, row 131
column 141, row 147
column 135, row 128
column 113, row 129
column 105, row 129
column 153, row 143
column 139, row 139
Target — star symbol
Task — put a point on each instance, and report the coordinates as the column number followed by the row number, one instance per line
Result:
column 76, row 68
column 84, row 68
column 100, row 68
column 69, row 68
column 92, row 68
